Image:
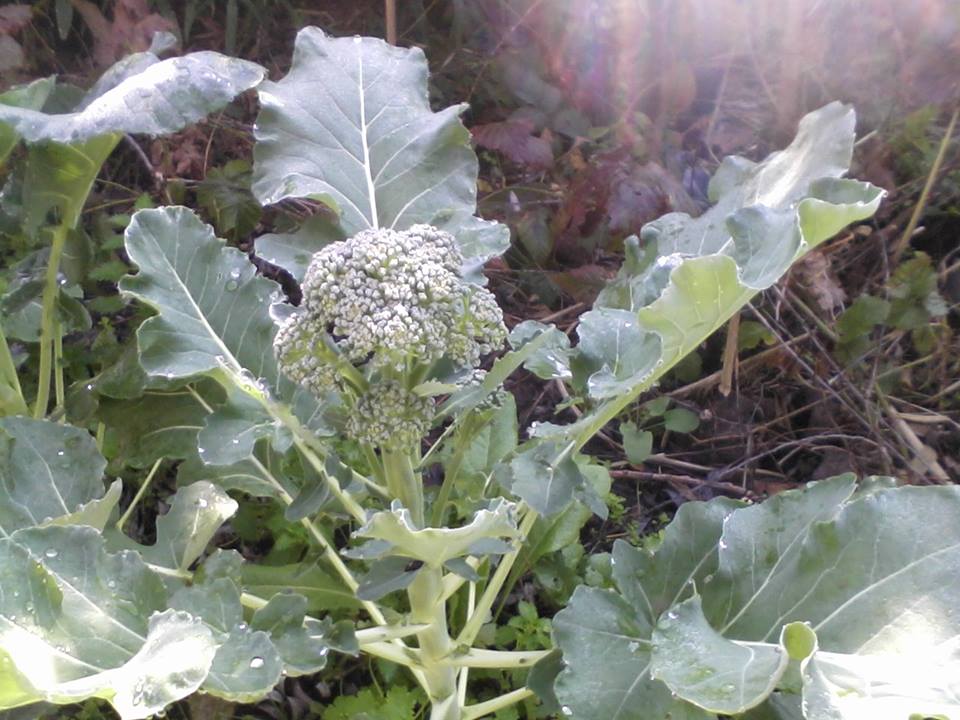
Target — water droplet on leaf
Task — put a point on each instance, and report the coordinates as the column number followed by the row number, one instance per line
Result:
column 51, row 553
column 256, row 662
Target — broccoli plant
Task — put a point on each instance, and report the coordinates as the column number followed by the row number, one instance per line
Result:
column 363, row 413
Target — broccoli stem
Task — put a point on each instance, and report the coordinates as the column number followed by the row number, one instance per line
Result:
column 427, row 606
column 403, row 483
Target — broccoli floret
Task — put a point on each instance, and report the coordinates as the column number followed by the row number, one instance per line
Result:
column 390, row 416
column 386, row 305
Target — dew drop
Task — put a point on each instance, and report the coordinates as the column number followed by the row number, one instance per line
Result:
column 729, row 688
column 232, row 285
column 723, row 545
column 201, row 450
column 242, row 626
column 28, row 607
column 201, row 503
column 235, row 273
column 51, row 553
column 89, row 386
column 256, row 662
column 111, row 584
column 235, row 441
column 633, row 645
column 566, row 710
column 357, row 40
column 59, row 453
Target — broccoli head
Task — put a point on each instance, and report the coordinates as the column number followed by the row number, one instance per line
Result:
column 386, row 305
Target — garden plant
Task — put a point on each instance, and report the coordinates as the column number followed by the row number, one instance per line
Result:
column 374, row 412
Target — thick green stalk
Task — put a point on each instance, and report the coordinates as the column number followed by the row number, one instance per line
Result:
column 51, row 290
column 11, row 396
column 427, row 606
column 479, row 615
column 403, row 483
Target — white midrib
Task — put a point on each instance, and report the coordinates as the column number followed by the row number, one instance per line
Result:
column 371, row 190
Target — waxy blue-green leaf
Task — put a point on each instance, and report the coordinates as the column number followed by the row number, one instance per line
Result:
column 351, row 125
column 324, row 591
column 723, row 676
column 31, row 96
column 48, row 471
column 301, row 651
column 822, row 575
column 293, row 251
column 163, row 97
column 703, row 270
column 78, row 622
column 159, row 424
column 196, row 513
column 535, row 476
column 213, row 315
column 605, row 635
column 491, row 529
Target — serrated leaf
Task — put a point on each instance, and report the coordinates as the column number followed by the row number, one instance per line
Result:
column 351, row 125
column 163, row 97
column 196, row 513
column 48, row 471
column 76, row 622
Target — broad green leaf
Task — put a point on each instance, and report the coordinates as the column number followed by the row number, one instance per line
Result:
column 351, row 125
column 605, row 635
column 293, row 251
column 637, row 444
column 213, row 315
column 48, row 472
column 246, row 476
column 701, row 271
column 723, row 676
column 323, row 591
column 822, row 575
column 619, row 351
column 548, row 486
column 887, row 686
column 489, row 530
column 31, row 96
column 212, row 306
column 162, row 98
column 282, row 617
column 95, row 513
column 158, row 424
column 245, row 668
column 77, row 622
column 196, row 513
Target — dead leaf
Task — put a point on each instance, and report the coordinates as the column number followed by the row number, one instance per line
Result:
column 515, row 139
column 131, row 30
column 13, row 18
column 641, row 193
column 815, row 275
